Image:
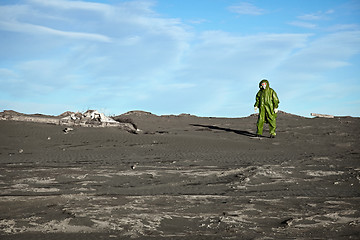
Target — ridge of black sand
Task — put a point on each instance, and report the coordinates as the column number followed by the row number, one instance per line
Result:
column 182, row 177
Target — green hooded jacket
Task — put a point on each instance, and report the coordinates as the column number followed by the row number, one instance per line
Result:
column 267, row 100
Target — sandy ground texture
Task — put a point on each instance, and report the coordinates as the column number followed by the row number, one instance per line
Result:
column 181, row 177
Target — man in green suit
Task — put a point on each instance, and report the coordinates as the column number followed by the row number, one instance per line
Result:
column 267, row 102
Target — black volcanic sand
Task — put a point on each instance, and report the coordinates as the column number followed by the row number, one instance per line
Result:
column 181, row 177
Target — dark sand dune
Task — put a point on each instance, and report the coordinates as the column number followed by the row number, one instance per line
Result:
column 181, row 177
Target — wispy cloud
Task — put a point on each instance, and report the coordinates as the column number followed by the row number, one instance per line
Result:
column 130, row 52
column 316, row 16
column 344, row 27
column 326, row 53
column 303, row 24
column 310, row 20
column 246, row 8
column 37, row 29
column 198, row 21
column 74, row 5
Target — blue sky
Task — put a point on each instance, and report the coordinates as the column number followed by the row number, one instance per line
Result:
column 202, row 57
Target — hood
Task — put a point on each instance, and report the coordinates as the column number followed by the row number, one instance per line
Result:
column 267, row 83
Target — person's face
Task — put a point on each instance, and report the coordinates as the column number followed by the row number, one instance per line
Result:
column 263, row 85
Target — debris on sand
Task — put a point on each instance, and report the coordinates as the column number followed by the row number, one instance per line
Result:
column 68, row 129
column 90, row 118
column 321, row 115
column 93, row 118
column 288, row 222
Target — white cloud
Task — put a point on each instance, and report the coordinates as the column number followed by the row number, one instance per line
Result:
column 303, row 24
column 227, row 67
column 310, row 17
column 127, row 51
column 343, row 27
column 224, row 55
column 36, row 29
column 316, row 16
column 246, row 8
column 74, row 5
column 198, row 21
column 325, row 53
column 7, row 73
column 307, row 20
column 312, row 78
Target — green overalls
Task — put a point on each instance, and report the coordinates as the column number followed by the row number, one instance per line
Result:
column 266, row 101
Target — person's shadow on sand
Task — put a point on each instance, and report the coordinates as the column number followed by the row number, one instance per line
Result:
column 245, row 133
